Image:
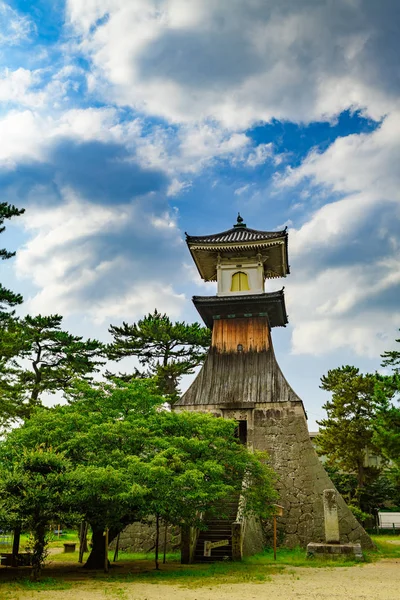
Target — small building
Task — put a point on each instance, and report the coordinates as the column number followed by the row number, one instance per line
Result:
column 241, row 379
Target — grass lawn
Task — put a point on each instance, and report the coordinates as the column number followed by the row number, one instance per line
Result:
column 63, row 571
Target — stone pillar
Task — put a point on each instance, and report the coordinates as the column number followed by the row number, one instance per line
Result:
column 331, row 517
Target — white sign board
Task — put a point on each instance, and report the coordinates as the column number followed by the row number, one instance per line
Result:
column 389, row 519
column 208, row 546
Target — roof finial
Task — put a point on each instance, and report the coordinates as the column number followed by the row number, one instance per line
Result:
column 239, row 222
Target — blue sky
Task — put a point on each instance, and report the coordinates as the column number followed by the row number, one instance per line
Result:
column 125, row 123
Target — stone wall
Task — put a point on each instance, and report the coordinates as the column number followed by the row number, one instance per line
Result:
column 141, row 537
column 282, row 431
column 254, row 538
column 280, row 428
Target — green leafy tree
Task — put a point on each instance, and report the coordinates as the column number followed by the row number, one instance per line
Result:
column 39, row 357
column 34, row 492
column 164, row 349
column 131, row 459
column 386, row 426
column 346, row 433
column 8, row 299
column 197, row 463
column 375, row 495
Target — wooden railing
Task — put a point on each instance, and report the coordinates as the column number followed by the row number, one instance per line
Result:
column 239, row 527
column 189, row 537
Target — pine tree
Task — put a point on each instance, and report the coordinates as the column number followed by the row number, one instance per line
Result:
column 164, row 349
column 386, row 425
column 39, row 357
column 346, row 433
column 8, row 299
column 391, row 358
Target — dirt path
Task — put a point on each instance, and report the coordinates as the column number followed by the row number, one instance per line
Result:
column 376, row 581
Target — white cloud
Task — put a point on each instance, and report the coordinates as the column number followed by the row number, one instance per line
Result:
column 359, row 162
column 30, row 133
column 261, row 154
column 138, row 301
column 63, row 261
column 176, row 187
column 199, row 59
column 14, row 27
column 243, row 189
column 346, row 257
column 14, row 86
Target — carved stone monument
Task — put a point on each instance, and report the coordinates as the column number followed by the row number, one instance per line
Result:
column 332, row 547
column 331, row 518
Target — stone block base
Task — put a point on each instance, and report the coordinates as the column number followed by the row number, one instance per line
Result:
column 333, row 551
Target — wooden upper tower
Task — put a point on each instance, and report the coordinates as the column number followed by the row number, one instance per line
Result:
column 240, row 260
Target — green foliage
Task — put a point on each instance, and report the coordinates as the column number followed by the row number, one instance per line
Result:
column 391, row 358
column 129, row 458
column 347, row 432
column 386, row 425
column 34, row 492
column 165, row 350
column 359, row 514
column 376, row 493
column 39, row 357
column 8, row 299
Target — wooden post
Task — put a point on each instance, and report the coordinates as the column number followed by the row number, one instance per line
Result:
column 58, row 531
column 157, row 539
column 116, row 549
column 278, row 513
column 83, row 540
column 165, row 540
column 106, row 551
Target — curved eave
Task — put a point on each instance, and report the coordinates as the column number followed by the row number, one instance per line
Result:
column 271, row 305
column 205, row 255
column 235, row 234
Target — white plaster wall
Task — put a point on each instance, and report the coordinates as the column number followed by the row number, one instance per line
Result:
column 255, row 274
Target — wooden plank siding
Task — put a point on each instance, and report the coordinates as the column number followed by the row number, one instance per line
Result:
column 252, row 333
column 239, row 377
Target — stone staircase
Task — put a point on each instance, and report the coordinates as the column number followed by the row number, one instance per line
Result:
column 218, row 529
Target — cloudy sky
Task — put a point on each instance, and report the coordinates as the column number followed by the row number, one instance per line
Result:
column 125, row 123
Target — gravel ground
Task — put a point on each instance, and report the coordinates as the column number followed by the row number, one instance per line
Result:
column 374, row 581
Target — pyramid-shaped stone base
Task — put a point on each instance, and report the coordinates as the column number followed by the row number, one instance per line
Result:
column 249, row 387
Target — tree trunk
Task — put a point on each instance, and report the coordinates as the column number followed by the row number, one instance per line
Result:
column 38, row 378
column 15, row 548
column 39, row 551
column 97, row 556
column 165, row 541
column 360, row 473
column 360, row 482
column 83, row 546
column 157, row 539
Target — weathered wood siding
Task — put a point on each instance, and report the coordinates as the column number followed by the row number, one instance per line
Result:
column 239, row 377
column 252, row 333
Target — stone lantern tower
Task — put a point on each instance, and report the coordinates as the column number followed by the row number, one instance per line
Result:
column 241, row 379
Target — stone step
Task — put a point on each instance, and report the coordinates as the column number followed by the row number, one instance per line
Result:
column 210, row 559
column 220, row 522
column 218, row 528
column 218, row 532
column 215, row 532
column 225, row 551
column 216, row 536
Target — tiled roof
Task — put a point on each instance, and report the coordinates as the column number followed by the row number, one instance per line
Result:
column 236, row 234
